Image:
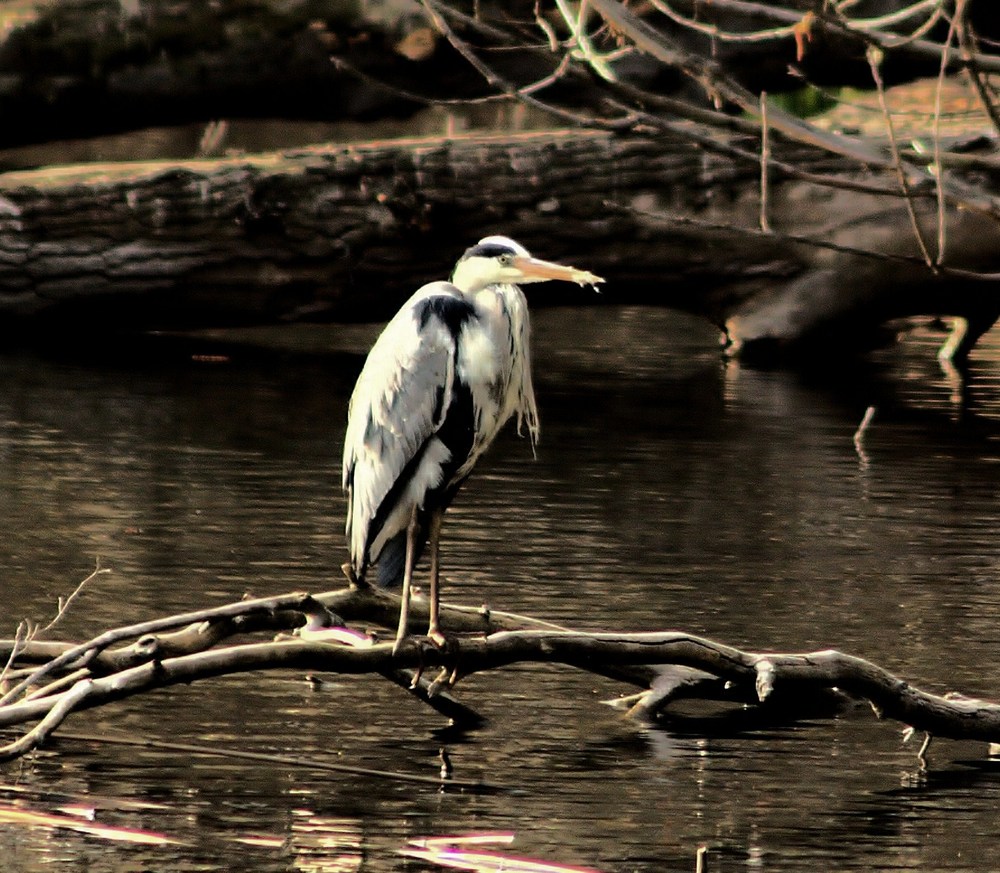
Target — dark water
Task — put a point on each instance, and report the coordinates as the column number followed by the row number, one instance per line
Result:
column 670, row 491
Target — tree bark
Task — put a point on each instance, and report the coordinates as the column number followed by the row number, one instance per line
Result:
column 348, row 232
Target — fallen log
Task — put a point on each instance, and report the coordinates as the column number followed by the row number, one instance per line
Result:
column 34, row 692
column 346, row 232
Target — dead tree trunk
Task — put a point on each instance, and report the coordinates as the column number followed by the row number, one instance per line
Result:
column 349, row 231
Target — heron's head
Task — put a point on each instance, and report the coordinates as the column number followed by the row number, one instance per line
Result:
column 498, row 260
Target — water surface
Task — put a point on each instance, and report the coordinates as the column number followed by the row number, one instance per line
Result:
column 670, row 491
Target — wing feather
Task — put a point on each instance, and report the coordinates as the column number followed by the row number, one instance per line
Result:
column 399, row 402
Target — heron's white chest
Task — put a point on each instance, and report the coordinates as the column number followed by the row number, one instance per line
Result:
column 480, row 363
column 492, row 361
column 482, row 366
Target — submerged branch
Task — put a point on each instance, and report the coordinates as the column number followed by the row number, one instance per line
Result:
column 305, row 762
column 637, row 658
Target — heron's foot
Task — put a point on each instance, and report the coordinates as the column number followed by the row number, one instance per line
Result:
column 423, row 646
column 435, row 641
column 443, row 680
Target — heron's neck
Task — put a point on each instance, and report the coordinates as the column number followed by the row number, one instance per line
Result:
column 503, row 312
column 469, row 286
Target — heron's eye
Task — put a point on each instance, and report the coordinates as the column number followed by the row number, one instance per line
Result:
column 507, row 259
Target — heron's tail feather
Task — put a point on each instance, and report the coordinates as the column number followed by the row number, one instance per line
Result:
column 392, row 559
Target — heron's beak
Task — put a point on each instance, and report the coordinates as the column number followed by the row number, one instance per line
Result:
column 536, row 270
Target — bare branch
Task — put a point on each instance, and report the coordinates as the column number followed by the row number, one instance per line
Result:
column 64, row 605
column 874, row 61
column 765, row 157
column 938, row 169
column 988, row 97
column 22, row 636
column 54, row 716
column 85, row 651
column 758, row 676
column 817, row 242
column 782, row 32
column 871, row 30
column 667, row 51
column 508, row 88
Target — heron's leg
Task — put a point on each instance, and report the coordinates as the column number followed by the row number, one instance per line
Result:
column 412, row 530
column 433, row 627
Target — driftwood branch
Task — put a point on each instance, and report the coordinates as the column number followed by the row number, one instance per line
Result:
column 670, row 665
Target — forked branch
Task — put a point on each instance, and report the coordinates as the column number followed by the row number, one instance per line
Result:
column 480, row 641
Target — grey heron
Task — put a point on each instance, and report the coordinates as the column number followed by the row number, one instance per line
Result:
column 446, row 373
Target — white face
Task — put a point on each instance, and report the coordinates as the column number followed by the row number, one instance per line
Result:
column 478, row 272
column 513, row 265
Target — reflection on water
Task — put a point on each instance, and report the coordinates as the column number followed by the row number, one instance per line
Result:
column 670, row 490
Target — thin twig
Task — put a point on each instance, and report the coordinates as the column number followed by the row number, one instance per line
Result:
column 871, row 29
column 546, row 28
column 966, row 39
column 701, row 860
column 938, row 168
column 474, row 21
column 504, row 86
column 784, row 236
column 27, row 633
column 866, row 421
column 794, row 19
column 714, row 31
column 874, row 62
column 816, row 242
column 546, row 81
column 765, row 156
column 924, row 746
column 64, row 605
column 22, row 636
